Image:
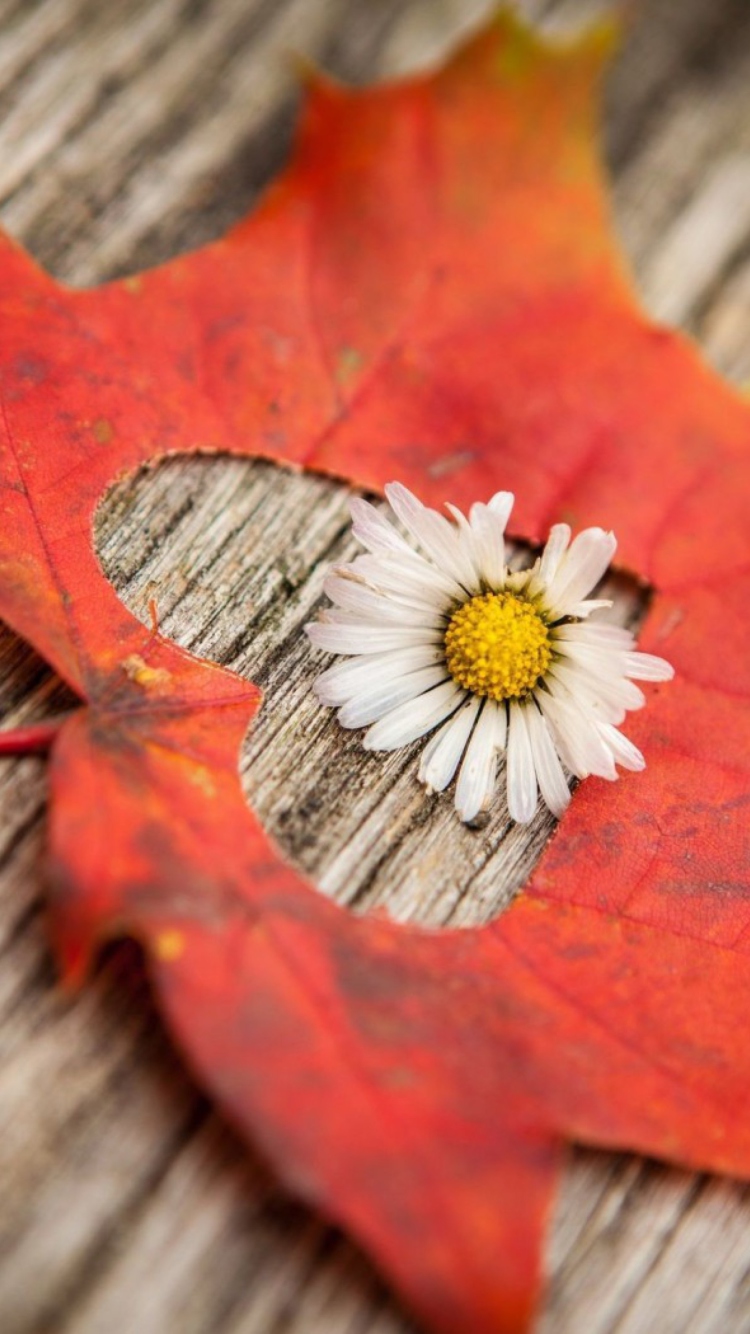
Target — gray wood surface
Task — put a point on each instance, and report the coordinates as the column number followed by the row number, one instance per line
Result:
column 128, row 131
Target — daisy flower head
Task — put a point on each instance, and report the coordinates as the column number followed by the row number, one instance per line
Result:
column 443, row 637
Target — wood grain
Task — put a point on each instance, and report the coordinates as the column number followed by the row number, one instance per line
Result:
column 129, row 131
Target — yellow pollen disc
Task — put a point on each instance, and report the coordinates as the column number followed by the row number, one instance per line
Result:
column 497, row 645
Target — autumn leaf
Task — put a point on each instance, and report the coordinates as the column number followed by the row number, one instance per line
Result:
column 430, row 291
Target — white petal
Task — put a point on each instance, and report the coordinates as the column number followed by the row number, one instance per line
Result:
column 412, row 578
column 647, row 667
column 434, row 533
column 488, row 526
column 579, row 742
column 501, row 505
column 608, row 662
column 377, row 608
column 370, row 705
column 354, row 638
column 557, row 545
column 476, row 780
column 373, row 530
column 560, row 723
column 588, row 605
column 608, row 696
column 600, row 673
column 549, row 771
column 344, row 679
column 411, row 720
column 468, row 543
column 580, row 569
column 596, row 632
column 606, row 659
column 624, row 751
column 522, row 790
column 443, row 751
column 525, row 580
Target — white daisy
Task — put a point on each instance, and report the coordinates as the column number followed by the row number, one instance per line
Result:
column 449, row 637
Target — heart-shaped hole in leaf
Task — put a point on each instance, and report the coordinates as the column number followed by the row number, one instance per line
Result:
column 232, row 554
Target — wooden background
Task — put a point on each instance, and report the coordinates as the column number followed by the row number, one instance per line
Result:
column 129, row 130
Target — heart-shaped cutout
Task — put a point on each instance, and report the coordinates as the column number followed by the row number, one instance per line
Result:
column 232, row 554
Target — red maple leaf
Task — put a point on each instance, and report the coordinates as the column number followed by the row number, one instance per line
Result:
column 429, row 291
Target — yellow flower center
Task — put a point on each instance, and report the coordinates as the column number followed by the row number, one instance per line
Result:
column 497, row 645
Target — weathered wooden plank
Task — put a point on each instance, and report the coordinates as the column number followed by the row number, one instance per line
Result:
column 128, row 131
column 723, row 324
